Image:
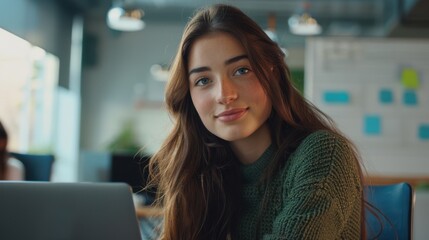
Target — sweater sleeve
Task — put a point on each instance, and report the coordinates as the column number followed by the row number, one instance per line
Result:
column 322, row 193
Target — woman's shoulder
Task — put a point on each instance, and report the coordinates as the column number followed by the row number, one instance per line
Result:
column 321, row 151
column 323, row 141
column 15, row 169
column 324, row 159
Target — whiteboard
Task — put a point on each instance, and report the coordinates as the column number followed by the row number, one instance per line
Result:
column 377, row 92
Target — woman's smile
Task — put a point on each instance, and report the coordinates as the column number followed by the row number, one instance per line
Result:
column 231, row 115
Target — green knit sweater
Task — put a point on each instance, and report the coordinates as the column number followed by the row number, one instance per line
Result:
column 317, row 195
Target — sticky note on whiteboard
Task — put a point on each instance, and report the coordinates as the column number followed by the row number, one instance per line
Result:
column 423, row 132
column 385, row 96
column 336, row 97
column 372, row 125
column 410, row 98
column 410, row 78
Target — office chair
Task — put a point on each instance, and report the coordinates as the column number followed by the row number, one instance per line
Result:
column 390, row 213
column 38, row 167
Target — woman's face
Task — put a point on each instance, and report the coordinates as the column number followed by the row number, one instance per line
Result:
column 224, row 89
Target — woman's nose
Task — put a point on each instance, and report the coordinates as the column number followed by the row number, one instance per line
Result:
column 227, row 91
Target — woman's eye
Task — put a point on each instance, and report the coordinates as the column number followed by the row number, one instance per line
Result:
column 202, row 82
column 241, row 71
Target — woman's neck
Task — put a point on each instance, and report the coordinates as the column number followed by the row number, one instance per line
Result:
column 249, row 150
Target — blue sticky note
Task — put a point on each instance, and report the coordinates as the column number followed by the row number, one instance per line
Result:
column 385, row 96
column 336, row 97
column 372, row 125
column 410, row 98
column 423, row 132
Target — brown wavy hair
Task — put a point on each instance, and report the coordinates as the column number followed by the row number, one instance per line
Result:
column 195, row 171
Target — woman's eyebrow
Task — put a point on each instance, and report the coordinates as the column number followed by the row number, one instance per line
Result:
column 227, row 62
column 199, row 69
column 235, row 59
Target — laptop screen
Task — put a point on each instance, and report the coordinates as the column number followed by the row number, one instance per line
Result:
column 84, row 211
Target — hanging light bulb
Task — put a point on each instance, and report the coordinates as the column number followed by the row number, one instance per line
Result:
column 125, row 19
column 304, row 24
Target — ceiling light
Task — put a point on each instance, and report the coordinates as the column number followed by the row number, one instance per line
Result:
column 160, row 72
column 304, row 24
column 125, row 19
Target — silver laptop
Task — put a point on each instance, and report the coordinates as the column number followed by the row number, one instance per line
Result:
column 67, row 211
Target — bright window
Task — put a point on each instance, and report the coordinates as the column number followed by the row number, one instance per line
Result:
column 28, row 83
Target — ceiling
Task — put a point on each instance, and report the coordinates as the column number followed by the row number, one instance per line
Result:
column 367, row 18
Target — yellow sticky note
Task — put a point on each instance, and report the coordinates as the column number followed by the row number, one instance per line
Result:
column 410, row 78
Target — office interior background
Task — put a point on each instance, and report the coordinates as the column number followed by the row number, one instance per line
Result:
column 74, row 87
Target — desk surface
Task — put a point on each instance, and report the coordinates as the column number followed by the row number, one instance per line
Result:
column 148, row 211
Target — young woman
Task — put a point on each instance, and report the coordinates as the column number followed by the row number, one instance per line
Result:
column 10, row 168
column 248, row 157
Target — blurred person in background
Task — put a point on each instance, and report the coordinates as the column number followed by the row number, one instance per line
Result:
column 10, row 168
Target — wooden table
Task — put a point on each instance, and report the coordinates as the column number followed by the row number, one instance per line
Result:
column 148, row 211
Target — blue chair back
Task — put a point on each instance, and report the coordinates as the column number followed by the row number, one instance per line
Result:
column 38, row 167
column 392, row 214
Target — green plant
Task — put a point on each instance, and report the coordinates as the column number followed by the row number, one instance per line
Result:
column 125, row 141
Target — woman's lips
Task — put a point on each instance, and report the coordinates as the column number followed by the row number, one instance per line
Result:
column 231, row 115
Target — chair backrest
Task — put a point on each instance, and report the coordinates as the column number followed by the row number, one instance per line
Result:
column 38, row 167
column 392, row 214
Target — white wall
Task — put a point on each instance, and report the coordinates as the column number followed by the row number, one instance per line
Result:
column 120, row 78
